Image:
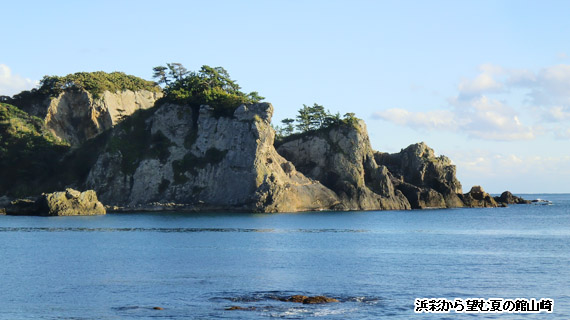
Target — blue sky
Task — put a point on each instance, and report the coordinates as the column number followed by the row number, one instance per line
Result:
column 486, row 83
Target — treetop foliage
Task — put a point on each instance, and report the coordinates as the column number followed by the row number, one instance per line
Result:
column 210, row 85
column 313, row 118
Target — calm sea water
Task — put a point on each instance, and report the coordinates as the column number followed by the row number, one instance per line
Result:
column 194, row 266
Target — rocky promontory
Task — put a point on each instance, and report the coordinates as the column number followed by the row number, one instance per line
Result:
column 204, row 146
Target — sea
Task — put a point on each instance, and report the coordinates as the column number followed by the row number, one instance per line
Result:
column 378, row 264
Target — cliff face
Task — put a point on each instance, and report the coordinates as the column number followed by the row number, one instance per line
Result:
column 207, row 162
column 342, row 159
column 76, row 115
column 426, row 180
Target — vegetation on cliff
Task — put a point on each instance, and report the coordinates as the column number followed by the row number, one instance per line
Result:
column 311, row 120
column 211, row 86
column 93, row 82
column 29, row 153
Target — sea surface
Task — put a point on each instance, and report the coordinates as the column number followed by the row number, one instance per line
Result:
column 195, row 266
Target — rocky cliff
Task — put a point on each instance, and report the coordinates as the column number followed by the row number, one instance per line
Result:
column 193, row 158
column 341, row 158
column 76, row 115
column 426, row 180
column 174, row 154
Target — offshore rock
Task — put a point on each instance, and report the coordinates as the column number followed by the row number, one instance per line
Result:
column 177, row 154
column 341, row 158
column 508, row 198
column 426, row 180
column 64, row 203
column 478, row 198
column 75, row 115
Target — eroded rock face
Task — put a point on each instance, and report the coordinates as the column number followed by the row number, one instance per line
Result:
column 342, row 159
column 208, row 162
column 426, row 180
column 63, row 203
column 76, row 115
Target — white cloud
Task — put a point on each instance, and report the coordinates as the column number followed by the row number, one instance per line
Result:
column 475, row 112
column 481, row 118
column 499, row 171
column 556, row 113
column 483, row 83
column 439, row 119
column 11, row 84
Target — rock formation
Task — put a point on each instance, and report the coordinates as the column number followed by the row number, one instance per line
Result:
column 77, row 115
column 508, row 198
column 171, row 154
column 64, row 203
column 177, row 157
column 427, row 181
column 478, row 198
column 342, row 159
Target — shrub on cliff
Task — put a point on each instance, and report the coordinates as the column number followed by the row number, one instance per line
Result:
column 211, row 86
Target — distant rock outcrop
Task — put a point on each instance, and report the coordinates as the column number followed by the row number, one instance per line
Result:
column 64, row 203
column 427, row 181
column 478, row 198
column 508, row 198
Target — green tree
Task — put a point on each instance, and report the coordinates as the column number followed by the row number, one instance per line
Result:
column 176, row 71
column 160, row 75
column 288, row 126
column 304, row 119
column 211, row 86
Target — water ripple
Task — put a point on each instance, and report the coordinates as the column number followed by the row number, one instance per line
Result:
column 175, row 230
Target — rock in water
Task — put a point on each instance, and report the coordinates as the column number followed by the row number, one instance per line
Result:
column 62, row 203
column 477, row 198
column 508, row 198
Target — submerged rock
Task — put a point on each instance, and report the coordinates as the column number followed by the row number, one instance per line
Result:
column 296, row 298
column 240, row 308
column 319, row 300
column 63, row 203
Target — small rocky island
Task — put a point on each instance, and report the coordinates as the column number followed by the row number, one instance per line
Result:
column 200, row 144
